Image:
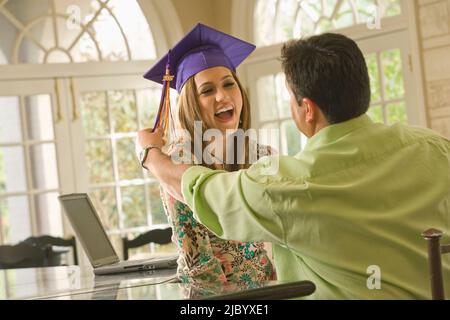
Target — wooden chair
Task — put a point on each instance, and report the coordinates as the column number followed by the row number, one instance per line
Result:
column 435, row 250
column 49, row 241
column 35, row 252
column 22, row 255
column 158, row 236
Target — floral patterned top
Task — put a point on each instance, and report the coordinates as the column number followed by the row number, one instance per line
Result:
column 206, row 258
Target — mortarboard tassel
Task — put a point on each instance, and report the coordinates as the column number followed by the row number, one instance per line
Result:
column 164, row 116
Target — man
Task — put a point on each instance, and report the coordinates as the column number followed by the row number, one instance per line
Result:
column 348, row 211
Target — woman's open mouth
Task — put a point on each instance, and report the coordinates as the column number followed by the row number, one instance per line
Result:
column 224, row 114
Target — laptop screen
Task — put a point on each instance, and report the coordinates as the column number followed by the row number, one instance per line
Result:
column 87, row 226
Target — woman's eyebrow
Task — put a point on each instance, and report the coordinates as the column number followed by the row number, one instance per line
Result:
column 209, row 82
column 204, row 84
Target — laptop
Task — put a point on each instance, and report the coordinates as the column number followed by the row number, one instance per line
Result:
column 89, row 230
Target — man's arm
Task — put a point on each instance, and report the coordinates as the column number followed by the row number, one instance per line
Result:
column 233, row 205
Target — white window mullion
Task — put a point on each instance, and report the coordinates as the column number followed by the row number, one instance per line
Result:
column 28, row 173
column 117, row 190
column 382, row 87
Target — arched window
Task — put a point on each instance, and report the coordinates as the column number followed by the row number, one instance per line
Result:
column 382, row 29
column 67, row 31
column 72, row 98
column 276, row 21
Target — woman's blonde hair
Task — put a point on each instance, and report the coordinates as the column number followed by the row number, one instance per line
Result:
column 189, row 111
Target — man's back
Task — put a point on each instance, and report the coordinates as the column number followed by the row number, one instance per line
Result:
column 346, row 213
column 355, row 203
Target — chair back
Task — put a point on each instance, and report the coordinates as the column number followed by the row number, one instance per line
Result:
column 22, row 255
column 435, row 250
column 35, row 252
column 158, row 236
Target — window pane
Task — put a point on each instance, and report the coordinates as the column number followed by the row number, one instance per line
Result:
column 123, row 110
column 283, row 98
column 269, row 135
column 10, row 127
column 108, row 36
column 39, row 117
column 135, row 27
column 8, row 38
column 133, row 206
column 284, row 27
column 15, row 219
column 34, row 9
column 263, row 26
column 30, row 52
column 85, row 50
column 267, row 102
column 12, row 170
column 99, row 161
column 94, row 113
column 128, row 163
column 43, row 166
column 106, row 205
column 158, row 214
column 291, row 137
column 274, row 21
column 372, row 66
column 376, row 113
column 396, row 112
column 392, row 72
column 121, row 31
column 392, row 7
column 346, row 16
column 148, row 104
column 48, row 214
column 104, row 200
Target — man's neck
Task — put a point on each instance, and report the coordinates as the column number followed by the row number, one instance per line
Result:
column 317, row 126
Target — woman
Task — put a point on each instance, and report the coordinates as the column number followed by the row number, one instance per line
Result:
column 211, row 93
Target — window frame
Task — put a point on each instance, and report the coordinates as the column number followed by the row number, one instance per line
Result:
column 18, row 77
column 405, row 23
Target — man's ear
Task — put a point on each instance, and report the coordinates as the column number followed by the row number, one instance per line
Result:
column 311, row 110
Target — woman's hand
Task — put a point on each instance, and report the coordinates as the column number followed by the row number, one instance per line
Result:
column 146, row 137
column 160, row 164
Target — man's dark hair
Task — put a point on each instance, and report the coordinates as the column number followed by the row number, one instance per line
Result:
column 330, row 70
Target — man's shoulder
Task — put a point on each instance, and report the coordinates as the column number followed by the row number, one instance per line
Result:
column 419, row 134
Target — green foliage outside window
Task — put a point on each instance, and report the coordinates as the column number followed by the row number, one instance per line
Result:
column 392, row 94
column 133, row 206
column 107, row 117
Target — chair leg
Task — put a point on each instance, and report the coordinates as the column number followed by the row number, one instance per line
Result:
column 435, row 264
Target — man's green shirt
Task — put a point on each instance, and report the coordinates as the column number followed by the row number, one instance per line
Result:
column 345, row 212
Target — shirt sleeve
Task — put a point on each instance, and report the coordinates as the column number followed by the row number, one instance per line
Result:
column 233, row 205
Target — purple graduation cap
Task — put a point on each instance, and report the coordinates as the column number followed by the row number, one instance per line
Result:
column 202, row 48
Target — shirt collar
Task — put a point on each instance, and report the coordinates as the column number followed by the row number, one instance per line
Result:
column 335, row 131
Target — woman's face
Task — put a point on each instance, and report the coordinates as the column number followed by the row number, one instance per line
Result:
column 219, row 97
